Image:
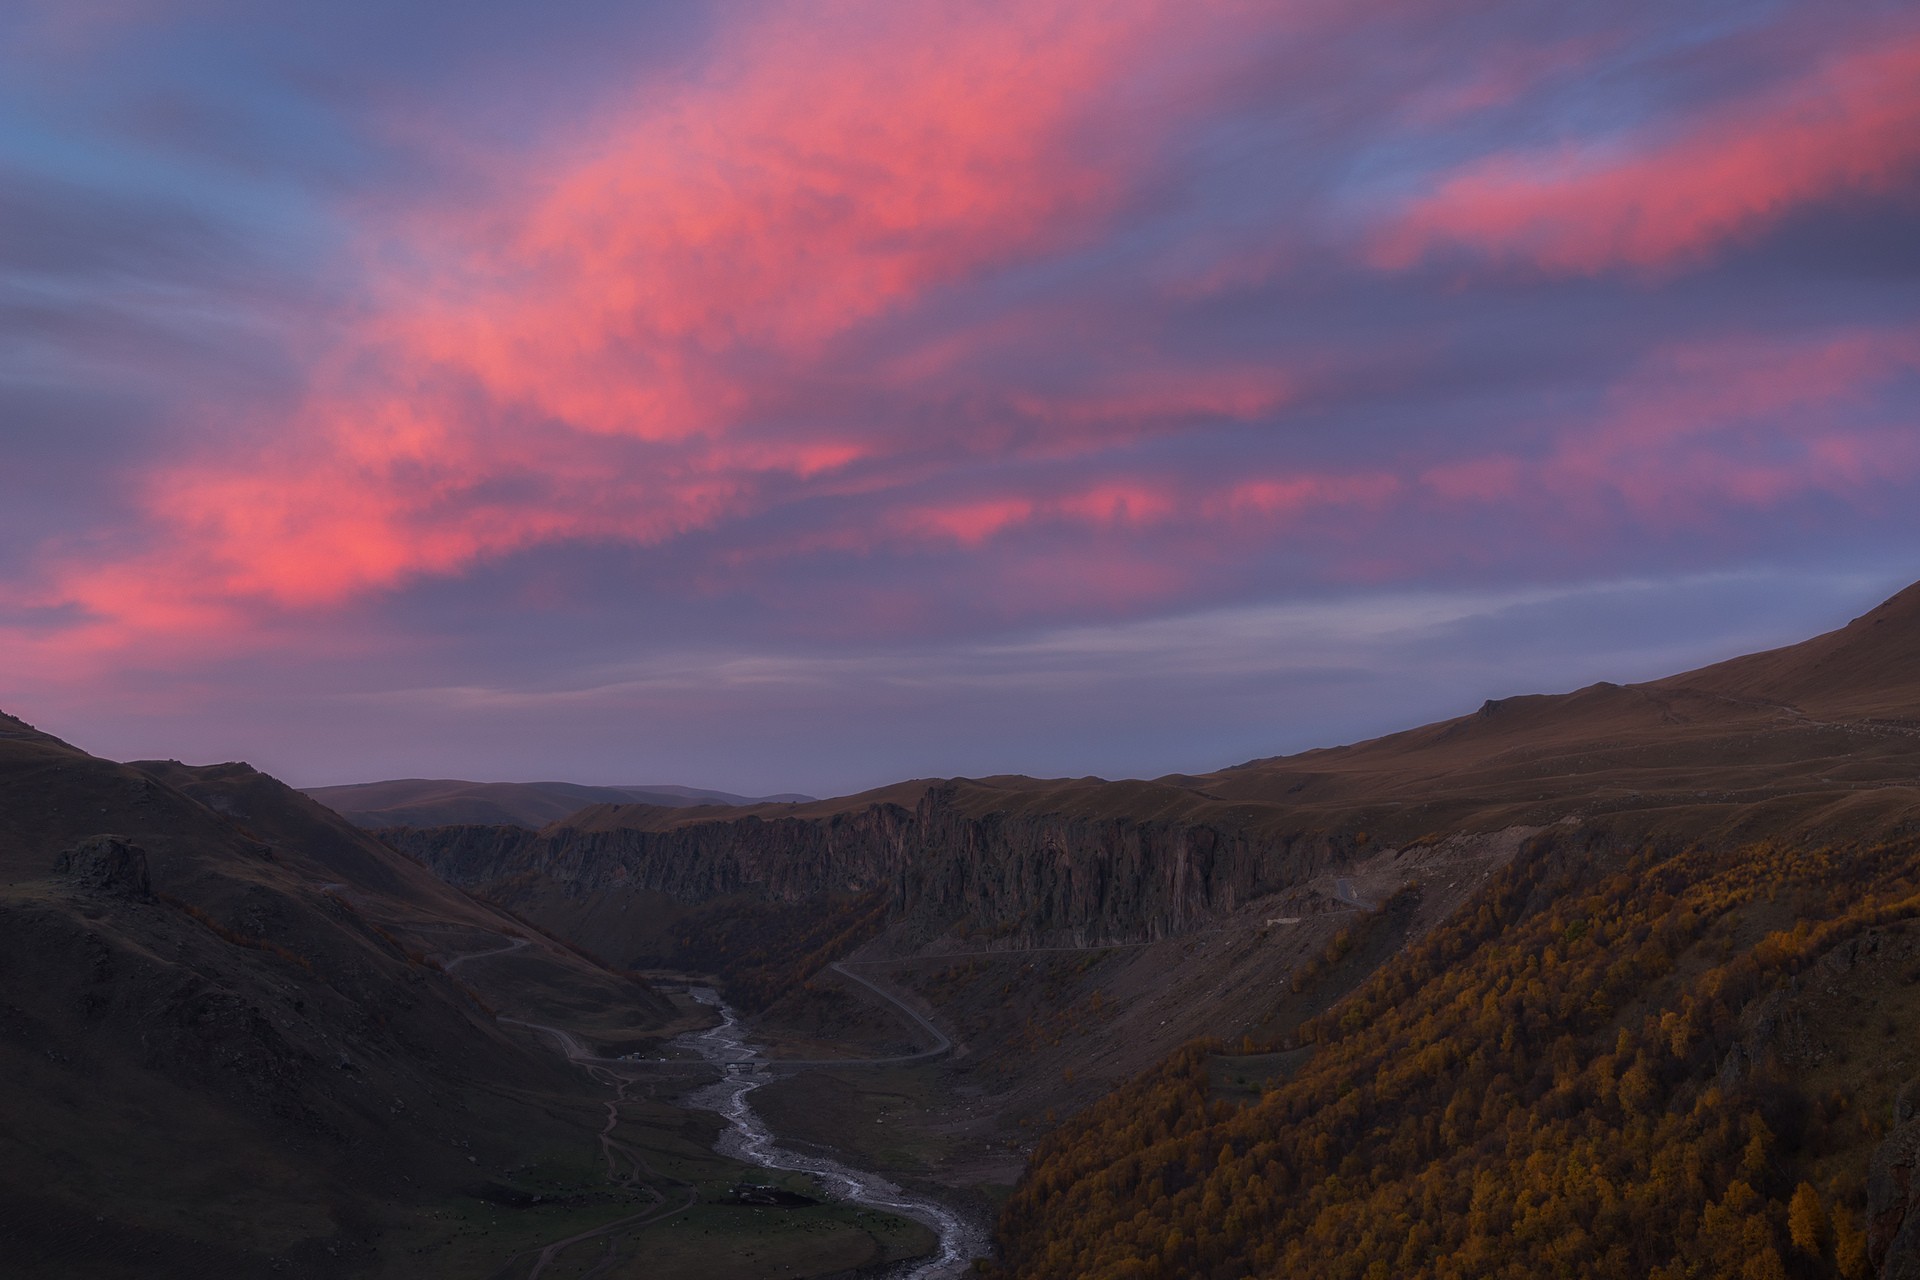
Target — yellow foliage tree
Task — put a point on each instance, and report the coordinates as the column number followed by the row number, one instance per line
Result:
column 1849, row 1244
column 1807, row 1221
column 1764, row 1264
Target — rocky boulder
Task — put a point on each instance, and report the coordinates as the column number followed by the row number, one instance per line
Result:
column 112, row 865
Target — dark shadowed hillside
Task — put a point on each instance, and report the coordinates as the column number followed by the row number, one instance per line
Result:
column 229, row 1039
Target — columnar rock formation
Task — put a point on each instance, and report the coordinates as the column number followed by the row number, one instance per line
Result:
column 948, row 859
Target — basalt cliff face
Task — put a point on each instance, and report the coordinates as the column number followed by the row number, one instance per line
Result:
column 950, row 859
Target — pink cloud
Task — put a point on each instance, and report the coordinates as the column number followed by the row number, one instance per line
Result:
column 968, row 523
column 1706, row 427
column 1669, row 196
column 640, row 334
column 586, row 357
column 1148, row 397
column 1141, row 503
column 1292, row 495
column 837, row 161
column 1706, row 387
column 1122, row 504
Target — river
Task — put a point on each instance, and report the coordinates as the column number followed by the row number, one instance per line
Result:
column 748, row 1138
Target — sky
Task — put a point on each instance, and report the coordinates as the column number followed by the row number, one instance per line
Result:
column 803, row 396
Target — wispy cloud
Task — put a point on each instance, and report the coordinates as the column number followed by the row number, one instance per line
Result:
column 922, row 354
column 1680, row 191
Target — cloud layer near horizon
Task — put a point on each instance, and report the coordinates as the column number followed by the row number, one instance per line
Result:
column 461, row 351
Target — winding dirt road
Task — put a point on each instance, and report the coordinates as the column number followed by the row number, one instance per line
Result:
column 513, row 944
column 613, row 1152
column 941, row 1042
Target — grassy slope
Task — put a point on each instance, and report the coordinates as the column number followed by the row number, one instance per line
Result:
column 1818, row 740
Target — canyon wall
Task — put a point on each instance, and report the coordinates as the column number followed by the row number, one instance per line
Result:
column 1047, row 876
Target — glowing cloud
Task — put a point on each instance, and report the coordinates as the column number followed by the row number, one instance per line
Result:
column 612, row 348
column 1665, row 197
column 818, row 325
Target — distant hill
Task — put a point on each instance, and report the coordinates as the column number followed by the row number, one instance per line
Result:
column 440, row 802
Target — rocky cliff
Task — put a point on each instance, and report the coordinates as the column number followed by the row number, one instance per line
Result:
column 942, row 862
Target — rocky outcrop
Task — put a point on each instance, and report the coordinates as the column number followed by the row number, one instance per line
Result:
column 1893, row 1204
column 110, row 865
column 1060, row 876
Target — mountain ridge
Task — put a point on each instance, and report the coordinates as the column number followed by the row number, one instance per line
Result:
column 1860, row 683
column 445, row 801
